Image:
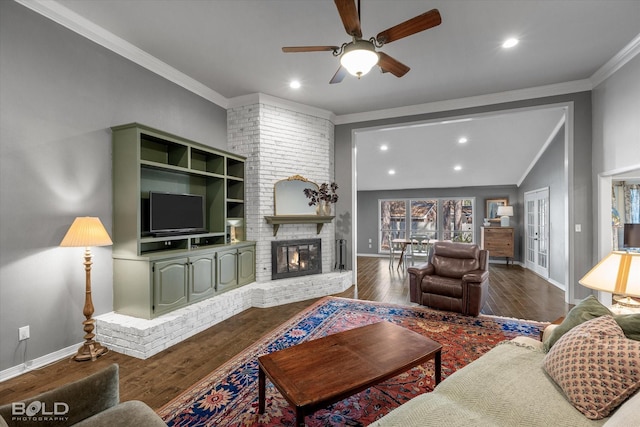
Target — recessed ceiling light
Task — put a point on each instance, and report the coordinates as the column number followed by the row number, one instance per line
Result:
column 509, row 43
column 462, row 140
column 392, row 172
column 295, row 84
column 457, row 168
column 384, row 147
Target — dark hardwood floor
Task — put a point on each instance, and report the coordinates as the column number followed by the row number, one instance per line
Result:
column 514, row 292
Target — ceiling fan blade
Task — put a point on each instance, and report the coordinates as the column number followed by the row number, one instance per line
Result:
column 349, row 15
column 390, row 65
column 295, row 49
column 414, row 25
column 339, row 75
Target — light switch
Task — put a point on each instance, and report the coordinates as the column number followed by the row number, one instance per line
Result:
column 578, row 228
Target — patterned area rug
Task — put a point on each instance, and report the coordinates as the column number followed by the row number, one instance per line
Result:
column 229, row 395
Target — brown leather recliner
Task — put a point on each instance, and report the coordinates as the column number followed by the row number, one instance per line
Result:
column 455, row 279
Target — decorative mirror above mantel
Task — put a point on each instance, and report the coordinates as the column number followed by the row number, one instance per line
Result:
column 291, row 206
column 289, row 198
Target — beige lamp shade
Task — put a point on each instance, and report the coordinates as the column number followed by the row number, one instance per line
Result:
column 86, row 231
column 617, row 273
column 505, row 210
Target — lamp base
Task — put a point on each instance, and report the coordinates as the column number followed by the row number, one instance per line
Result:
column 504, row 221
column 628, row 302
column 90, row 350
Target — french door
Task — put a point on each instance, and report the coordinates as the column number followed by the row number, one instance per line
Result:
column 536, row 226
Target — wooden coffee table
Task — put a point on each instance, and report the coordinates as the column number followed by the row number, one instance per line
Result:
column 317, row 373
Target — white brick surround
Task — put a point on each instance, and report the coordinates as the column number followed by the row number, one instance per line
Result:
column 143, row 338
column 278, row 143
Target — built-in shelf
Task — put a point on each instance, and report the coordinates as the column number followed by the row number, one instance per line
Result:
column 319, row 220
column 153, row 275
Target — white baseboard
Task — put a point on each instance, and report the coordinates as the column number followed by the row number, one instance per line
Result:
column 556, row 284
column 32, row 365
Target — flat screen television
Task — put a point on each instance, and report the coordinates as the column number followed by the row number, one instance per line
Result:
column 172, row 213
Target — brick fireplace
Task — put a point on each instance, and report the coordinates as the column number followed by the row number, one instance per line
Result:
column 294, row 258
column 280, row 140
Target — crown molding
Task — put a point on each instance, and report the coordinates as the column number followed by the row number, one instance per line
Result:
column 618, row 61
column 71, row 20
column 473, row 101
column 261, row 98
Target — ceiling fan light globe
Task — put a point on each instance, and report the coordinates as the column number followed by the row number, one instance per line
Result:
column 359, row 58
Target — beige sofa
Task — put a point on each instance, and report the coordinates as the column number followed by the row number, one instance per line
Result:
column 92, row 401
column 508, row 386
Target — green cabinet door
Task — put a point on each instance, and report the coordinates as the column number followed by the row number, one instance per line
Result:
column 170, row 280
column 246, row 265
column 203, row 277
column 227, row 269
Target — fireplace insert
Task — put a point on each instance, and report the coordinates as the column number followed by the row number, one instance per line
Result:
column 293, row 258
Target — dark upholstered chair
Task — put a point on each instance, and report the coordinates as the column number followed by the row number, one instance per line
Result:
column 90, row 401
column 456, row 278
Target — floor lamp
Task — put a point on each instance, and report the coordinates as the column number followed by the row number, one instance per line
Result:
column 87, row 232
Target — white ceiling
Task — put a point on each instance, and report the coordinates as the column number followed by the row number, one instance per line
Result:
column 500, row 150
column 231, row 48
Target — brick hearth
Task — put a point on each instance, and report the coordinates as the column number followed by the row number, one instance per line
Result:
column 143, row 338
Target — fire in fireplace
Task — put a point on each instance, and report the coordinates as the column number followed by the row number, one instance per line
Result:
column 292, row 258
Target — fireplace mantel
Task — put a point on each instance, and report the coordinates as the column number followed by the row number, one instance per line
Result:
column 319, row 220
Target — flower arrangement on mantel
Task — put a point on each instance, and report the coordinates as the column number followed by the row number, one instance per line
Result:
column 323, row 197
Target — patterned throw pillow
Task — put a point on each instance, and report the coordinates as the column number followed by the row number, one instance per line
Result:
column 596, row 366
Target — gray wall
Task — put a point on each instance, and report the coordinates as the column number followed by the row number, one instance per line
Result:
column 549, row 172
column 578, row 261
column 616, row 141
column 368, row 209
column 616, row 120
column 60, row 94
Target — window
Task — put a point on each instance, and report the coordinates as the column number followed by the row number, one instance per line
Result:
column 424, row 218
column 457, row 220
column 436, row 218
column 393, row 220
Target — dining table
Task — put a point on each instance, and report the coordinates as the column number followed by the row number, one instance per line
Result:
column 408, row 243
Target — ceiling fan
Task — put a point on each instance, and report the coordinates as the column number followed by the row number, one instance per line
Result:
column 359, row 56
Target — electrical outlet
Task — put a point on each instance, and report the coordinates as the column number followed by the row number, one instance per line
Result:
column 23, row 333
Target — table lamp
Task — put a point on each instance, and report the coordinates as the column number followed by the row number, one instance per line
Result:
column 504, row 212
column 617, row 273
column 87, row 232
column 233, row 223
